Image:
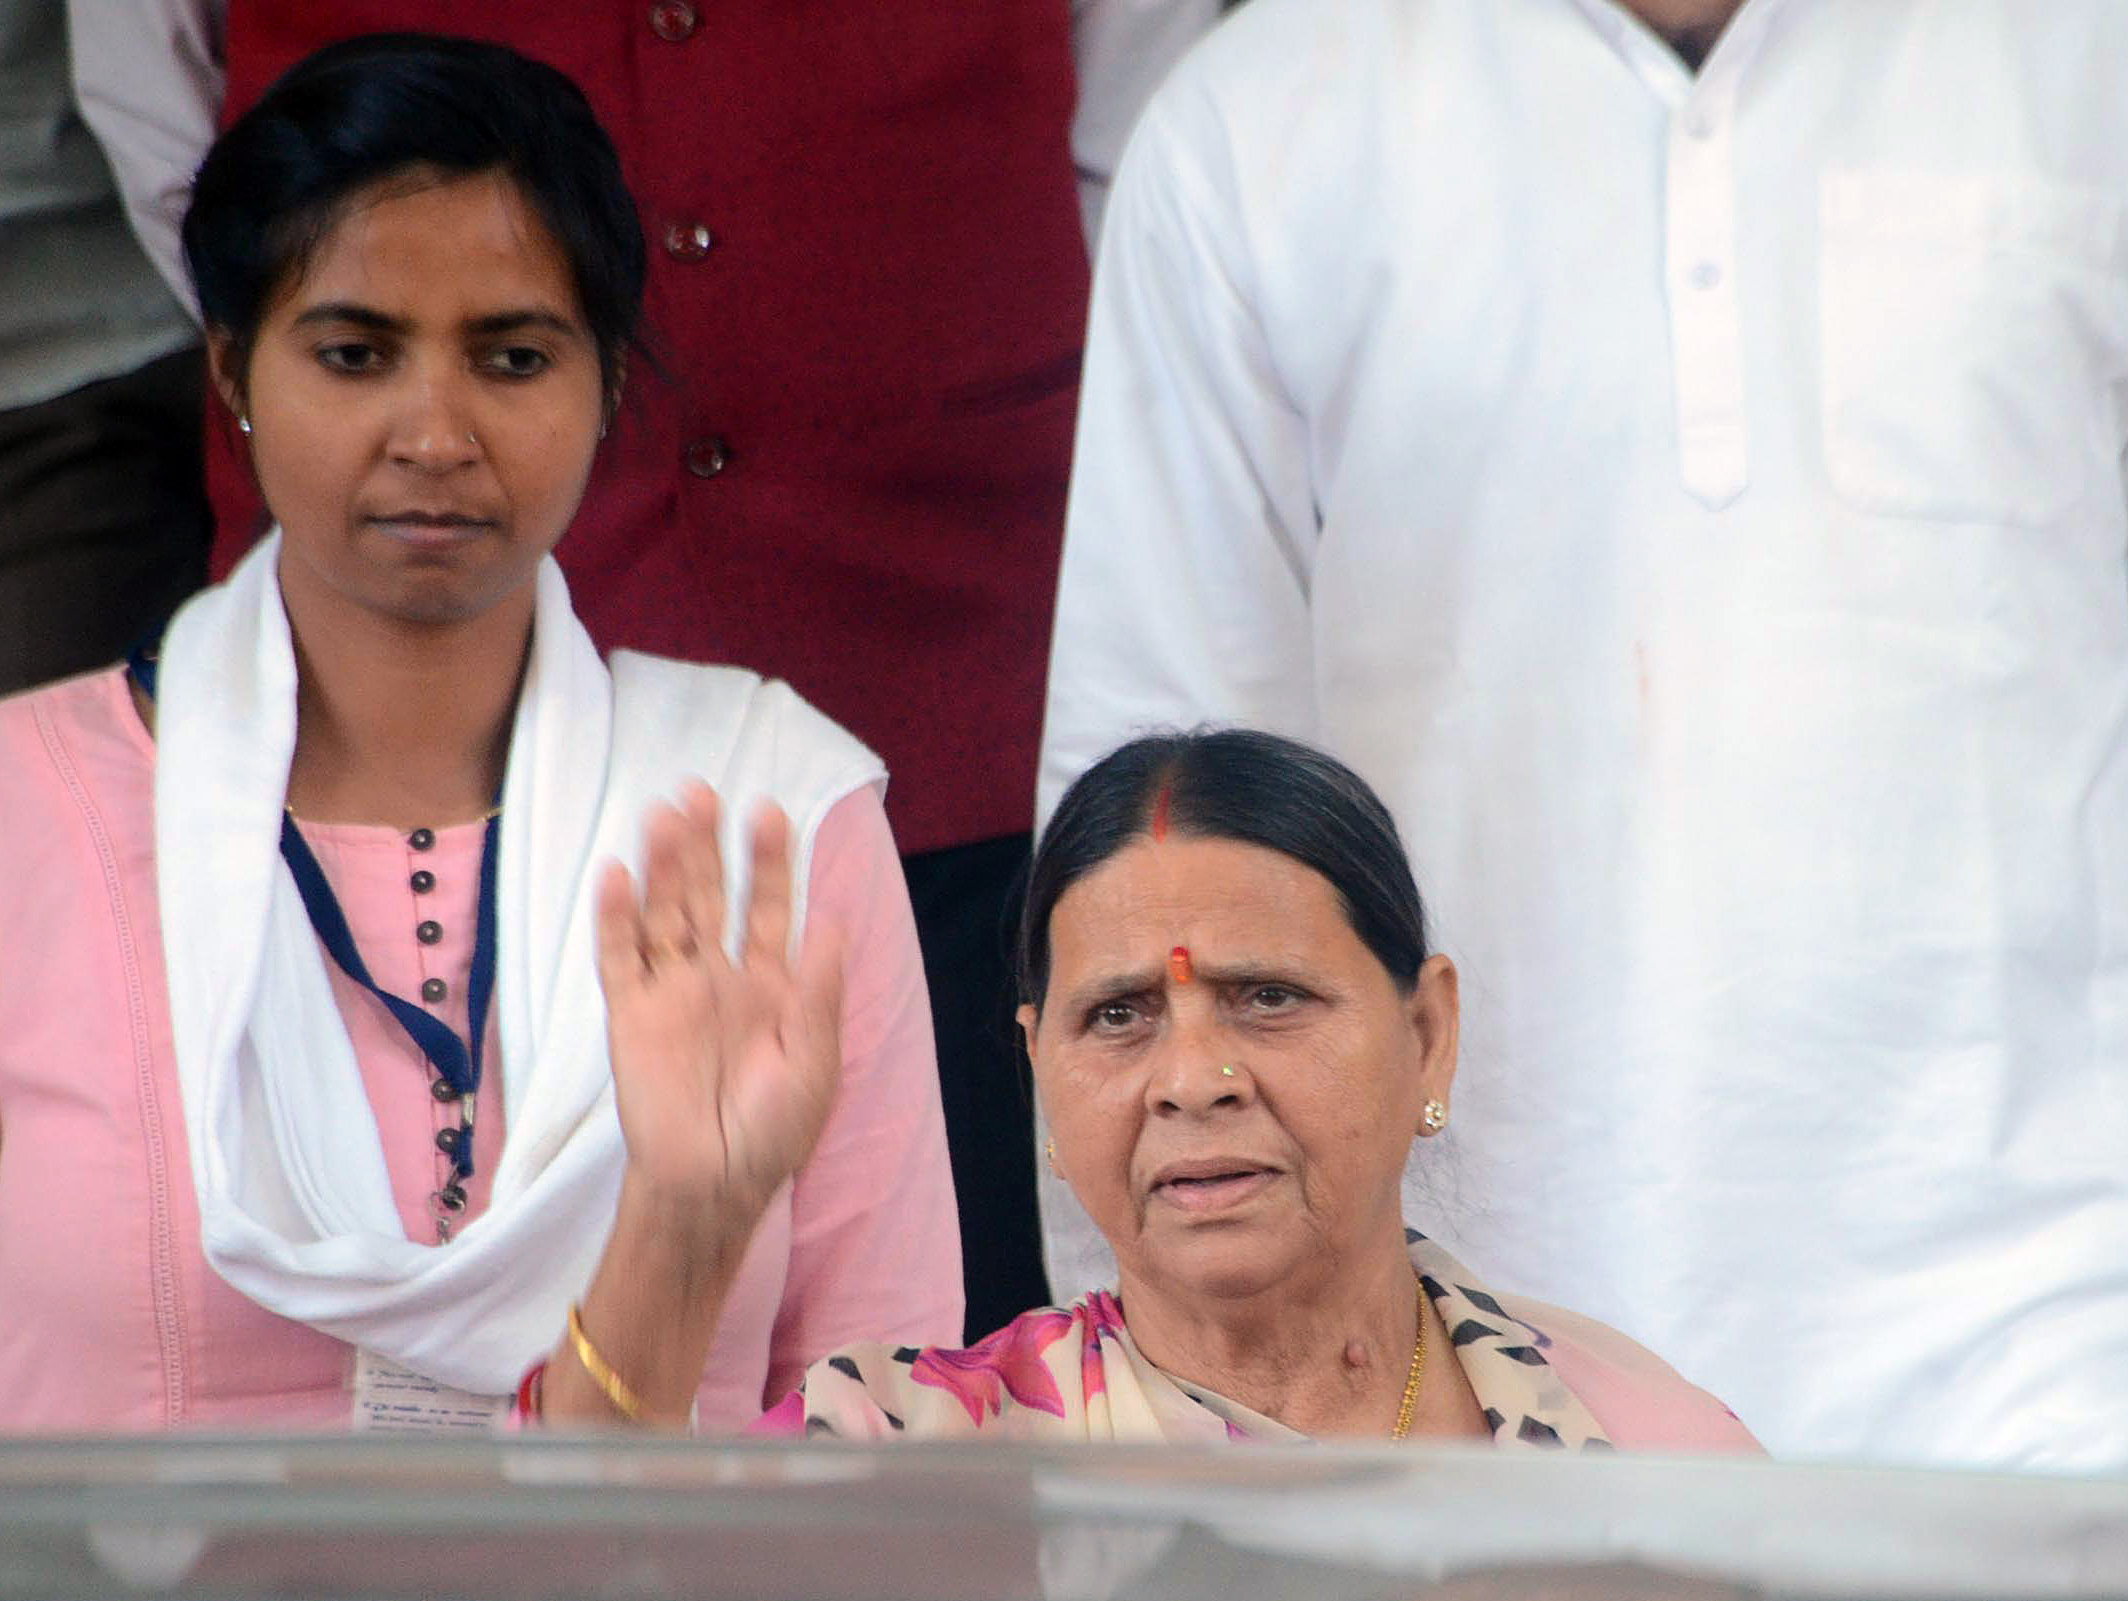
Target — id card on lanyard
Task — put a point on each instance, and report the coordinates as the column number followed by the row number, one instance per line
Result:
column 390, row 1399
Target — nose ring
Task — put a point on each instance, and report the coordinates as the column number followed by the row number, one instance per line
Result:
column 1226, row 1072
column 472, row 439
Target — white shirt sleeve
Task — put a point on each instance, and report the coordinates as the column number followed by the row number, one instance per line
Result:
column 1191, row 527
column 1122, row 49
column 149, row 77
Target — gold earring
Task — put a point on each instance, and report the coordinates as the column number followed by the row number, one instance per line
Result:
column 1434, row 1114
column 1050, row 1147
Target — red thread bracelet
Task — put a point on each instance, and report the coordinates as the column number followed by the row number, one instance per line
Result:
column 531, row 1393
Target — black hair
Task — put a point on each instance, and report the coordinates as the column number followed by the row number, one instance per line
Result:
column 1237, row 784
column 391, row 104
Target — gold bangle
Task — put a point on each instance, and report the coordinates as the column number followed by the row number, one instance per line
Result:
column 611, row 1384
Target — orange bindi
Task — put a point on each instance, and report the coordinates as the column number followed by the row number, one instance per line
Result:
column 1178, row 964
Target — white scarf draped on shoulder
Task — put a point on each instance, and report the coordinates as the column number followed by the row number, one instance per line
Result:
column 296, row 1209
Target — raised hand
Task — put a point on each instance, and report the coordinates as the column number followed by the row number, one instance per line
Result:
column 724, row 1070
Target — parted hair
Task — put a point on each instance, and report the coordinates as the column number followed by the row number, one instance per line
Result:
column 1238, row 784
column 393, row 105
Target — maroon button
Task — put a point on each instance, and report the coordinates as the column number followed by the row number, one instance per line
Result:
column 708, row 457
column 688, row 241
column 672, row 20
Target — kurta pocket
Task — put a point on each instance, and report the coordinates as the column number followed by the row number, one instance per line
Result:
column 1975, row 335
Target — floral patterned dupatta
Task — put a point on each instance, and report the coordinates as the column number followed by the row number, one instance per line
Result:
column 1075, row 1374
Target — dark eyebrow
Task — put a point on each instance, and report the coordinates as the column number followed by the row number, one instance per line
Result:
column 1289, row 974
column 510, row 322
column 348, row 311
column 1111, row 987
column 499, row 322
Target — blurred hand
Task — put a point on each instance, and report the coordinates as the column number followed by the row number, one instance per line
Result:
column 723, row 1071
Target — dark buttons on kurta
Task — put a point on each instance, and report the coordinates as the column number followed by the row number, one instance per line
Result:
column 708, row 457
column 441, row 1089
column 428, row 932
column 434, row 990
column 672, row 20
column 421, row 839
column 451, row 1198
column 423, row 881
column 447, row 1140
column 688, row 241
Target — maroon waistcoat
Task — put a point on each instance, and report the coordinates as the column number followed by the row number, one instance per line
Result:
column 867, row 290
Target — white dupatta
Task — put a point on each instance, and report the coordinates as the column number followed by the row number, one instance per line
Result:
column 296, row 1209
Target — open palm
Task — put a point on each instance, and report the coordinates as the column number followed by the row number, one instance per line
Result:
column 724, row 1069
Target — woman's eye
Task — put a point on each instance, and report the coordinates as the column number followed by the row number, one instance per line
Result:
column 1113, row 1016
column 518, row 361
column 351, row 356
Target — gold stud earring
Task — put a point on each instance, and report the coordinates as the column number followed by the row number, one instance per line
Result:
column 1049, row 1146
column 1434, row 1115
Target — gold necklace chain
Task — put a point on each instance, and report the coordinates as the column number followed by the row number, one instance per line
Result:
column 1411, row 1379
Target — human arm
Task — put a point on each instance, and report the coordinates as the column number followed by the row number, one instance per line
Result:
column 1121, row 49
column 724, row 1071
column 1183, row 594
column 149, row 75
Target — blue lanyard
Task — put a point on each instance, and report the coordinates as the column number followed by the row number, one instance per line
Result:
column 456, row 1061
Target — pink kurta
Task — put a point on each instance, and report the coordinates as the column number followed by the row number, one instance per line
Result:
column 110, row 1317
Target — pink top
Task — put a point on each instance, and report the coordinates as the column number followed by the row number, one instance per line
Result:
column 110, row 1317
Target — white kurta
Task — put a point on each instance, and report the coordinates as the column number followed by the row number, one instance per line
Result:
column 1697, row 505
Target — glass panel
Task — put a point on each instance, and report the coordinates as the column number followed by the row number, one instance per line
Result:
column 527, row 1517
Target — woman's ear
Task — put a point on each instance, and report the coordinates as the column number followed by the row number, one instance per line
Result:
column 1029, row 1020
column 1434, row 1013
column 225, row 366
column 610, row 402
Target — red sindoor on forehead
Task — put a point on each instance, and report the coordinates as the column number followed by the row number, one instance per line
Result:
column 1161, row 803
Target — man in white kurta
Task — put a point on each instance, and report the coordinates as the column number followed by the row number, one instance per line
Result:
column 1695, row 500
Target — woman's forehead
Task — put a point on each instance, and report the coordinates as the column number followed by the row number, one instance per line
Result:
column 1153, row 890
column 426, row 238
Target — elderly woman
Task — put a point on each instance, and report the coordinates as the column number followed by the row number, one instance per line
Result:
column 306, row 1114
column 1237, row 1031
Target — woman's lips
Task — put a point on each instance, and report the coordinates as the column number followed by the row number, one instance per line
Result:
column 429, row 530
column 1212, row 1191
